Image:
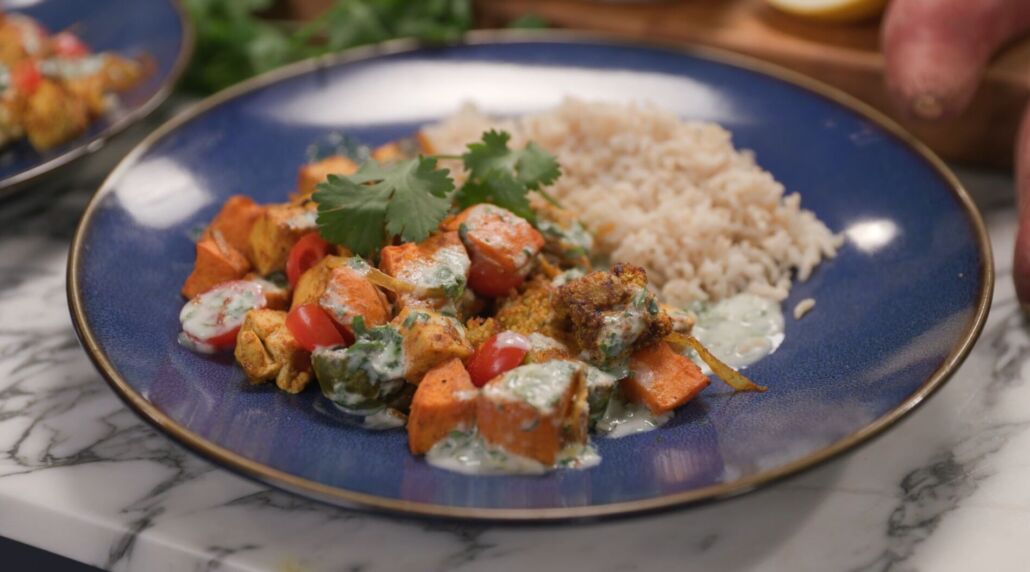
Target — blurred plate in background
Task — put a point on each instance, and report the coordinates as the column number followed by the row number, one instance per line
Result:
column 157, row 29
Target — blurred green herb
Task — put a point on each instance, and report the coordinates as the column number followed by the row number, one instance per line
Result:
column 234, row 43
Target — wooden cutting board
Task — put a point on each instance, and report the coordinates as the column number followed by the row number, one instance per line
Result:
column 846, row 56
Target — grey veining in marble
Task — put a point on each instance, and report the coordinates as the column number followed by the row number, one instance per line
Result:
column 82, row 476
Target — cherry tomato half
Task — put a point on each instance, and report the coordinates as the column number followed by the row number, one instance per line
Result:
column 313, row 328
column 500, row 353
column 214, row 317
column 26, row 77
column 306, row 253
column 69, row 45
column 487, row 278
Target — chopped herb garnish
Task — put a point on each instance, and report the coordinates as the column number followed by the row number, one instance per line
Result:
column 409, row 199
column 364, row 210
column 504, row 176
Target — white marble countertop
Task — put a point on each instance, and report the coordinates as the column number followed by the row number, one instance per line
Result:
column 82, row 476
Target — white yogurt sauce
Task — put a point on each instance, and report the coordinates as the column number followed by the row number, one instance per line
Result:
column 540, row 385
column 448, row 270
column 739, row 330
column 305, row 220
column 218, row 311
column 384, row 420
column 508, row 339
column 623, row 418
column 67, row 68
column 540, row 342
column 466, row 452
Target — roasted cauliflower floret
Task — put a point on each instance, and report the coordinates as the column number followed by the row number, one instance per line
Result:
column 530, row 311
column 266, row 350
column 478, row 330
column 610, row 314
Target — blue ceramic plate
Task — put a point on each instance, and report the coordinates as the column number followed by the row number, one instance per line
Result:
column 898, row 308
column 155, row 28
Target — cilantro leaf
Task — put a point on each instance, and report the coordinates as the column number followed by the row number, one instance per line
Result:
column 361, row 211
column 420, row 200
column 351, row 214
column 504, row 176
column 499, row 189
column 489, row 154
column 536, row 168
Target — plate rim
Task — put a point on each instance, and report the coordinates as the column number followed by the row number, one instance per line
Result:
column 13, row 185
column 227, row 458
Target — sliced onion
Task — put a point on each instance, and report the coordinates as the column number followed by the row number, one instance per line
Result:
column 730, row 376
column 398, row 286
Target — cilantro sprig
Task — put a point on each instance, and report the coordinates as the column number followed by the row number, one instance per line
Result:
column 504, row 176
column 409, row 199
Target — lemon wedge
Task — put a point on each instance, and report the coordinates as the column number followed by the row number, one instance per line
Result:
column 831, row 10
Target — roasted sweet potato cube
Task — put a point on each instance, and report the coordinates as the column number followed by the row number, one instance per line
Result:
column 235, row 221
column 498, row 235
column 312, row 174
column 275, row 232
column 266, row 350
column 216, row 262
column 341, row 288
column 535, row 410
column 430, row 339
column 444, row 401
column 662, row 379
column 437, row 267
column 349, row 294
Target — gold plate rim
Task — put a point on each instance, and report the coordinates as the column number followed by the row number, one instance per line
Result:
column 353, row 499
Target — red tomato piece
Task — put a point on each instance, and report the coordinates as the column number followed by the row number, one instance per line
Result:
column 313, row 328
column 26, row 77
column 69, row 45
column 489, row 279
column 214, row 317
column 306, row 253
column 502, row 352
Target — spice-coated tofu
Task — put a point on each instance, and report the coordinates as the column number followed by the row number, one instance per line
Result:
column 445, row 401
column 310, row 175
column 437, row 268
column 216, row 262
column 276, row 231
column 430, row 339
column 266, row 350
column 535, row 410
column 662, row 379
